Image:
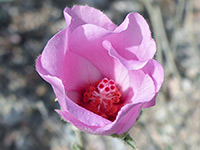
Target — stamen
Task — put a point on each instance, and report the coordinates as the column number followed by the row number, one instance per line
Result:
column 103, row 99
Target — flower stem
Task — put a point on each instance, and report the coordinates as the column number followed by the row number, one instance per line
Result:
column 129, row 141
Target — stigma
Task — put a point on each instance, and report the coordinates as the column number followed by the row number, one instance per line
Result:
column 103, row 98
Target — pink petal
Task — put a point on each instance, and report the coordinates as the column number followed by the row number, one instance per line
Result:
column 76, row 72
column 143, row 87
column 80, row 125
column 56, row 84
column 130, row 64
column 144, row 94
column 68, row 105
column 86, row 41
column 50, row 65
column 132, row 41
column 150, row 103
column 146, row 91
column 124, row 121
column 156, row 71
column 70, row 118
column 72, row 20
column 51, row 71
column 55, row 50
column 90, row 15
column 81, row 114
column 121, row 78
column 79, row 73
column 87, row 117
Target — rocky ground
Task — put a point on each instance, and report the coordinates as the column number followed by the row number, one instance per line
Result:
column 27, row 117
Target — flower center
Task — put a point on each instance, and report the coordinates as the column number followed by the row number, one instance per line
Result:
column 103, row 98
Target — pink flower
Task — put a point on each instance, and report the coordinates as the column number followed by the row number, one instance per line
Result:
column 102, row 74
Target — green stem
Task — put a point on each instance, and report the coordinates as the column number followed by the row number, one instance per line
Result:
column 129, row 141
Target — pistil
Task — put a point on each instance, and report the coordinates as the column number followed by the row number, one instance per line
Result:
column 103, row 98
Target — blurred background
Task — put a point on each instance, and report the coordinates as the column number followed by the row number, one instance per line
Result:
column 27, row 117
